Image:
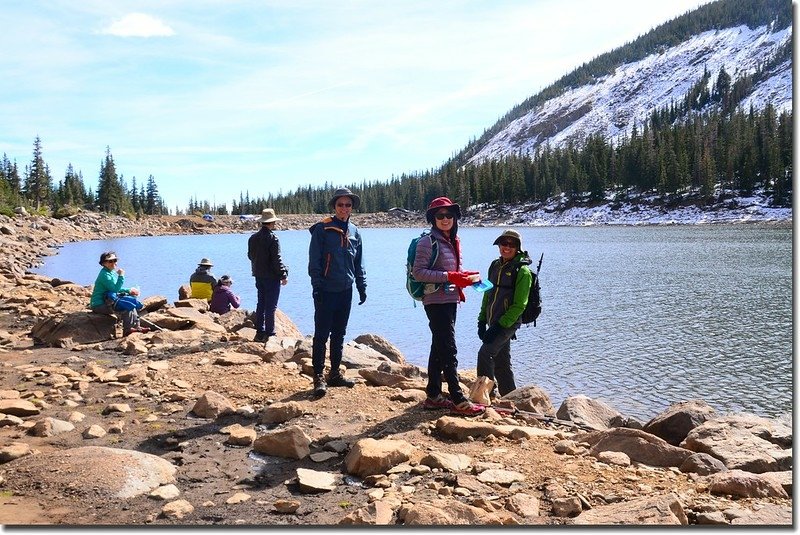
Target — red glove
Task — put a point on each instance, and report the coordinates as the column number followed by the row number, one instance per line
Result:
column 461, row 297
column 462, row 279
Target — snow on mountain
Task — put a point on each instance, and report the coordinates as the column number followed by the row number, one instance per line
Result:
column 613, row 103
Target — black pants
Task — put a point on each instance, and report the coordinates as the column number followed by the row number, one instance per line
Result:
column 442, row 358
column 331, row 314
column 494, row 361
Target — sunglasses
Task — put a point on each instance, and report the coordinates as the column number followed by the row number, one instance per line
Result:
column 344, row 205
column 444, row 216
column 507, row 243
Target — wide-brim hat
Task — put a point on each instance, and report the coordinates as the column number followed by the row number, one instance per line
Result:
column 442, row 202
column 510, row 234
column 268, row 216
column 205, row 262
column 344, row 192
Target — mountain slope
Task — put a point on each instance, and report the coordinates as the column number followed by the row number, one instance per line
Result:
column 612, row 105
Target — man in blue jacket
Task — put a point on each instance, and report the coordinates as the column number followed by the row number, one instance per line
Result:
column 335, row 262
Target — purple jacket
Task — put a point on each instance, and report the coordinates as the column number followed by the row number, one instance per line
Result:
column 223, row 299
column 449, row 259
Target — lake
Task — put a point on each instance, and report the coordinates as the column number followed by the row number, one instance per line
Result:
column 639, row 317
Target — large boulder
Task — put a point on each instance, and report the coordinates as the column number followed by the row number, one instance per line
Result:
column 744, row 442
column 77, row 327
column 369, row 456
column 93, row 471
column 675, row 423
column 588, row 412
column 531, row 399
column 658, row 510
column 639, row 446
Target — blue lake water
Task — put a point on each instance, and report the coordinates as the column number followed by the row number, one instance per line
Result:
column 638, row 317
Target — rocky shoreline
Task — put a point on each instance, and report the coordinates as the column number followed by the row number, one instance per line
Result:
column 194, row 424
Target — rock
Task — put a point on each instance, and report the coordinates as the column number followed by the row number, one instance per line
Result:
column 382, row 346
column 652, row 510
column 445, row 513
column 312, row 481
column 236, row 359
column 379, row 378
column 767, row 515
column 524, row 505
column 96, row 471
column 449, row 462
column 639, row 446
column 500, row 477
column 13, row 451
column 675, row 423
column 240, row 436
column 184, row 292
column 18, row 407
column 461, row 429
column 587, row 412
column 702, row 464
column 165, row 492
column 281, row 412
column 322, row 456
column 745, row 485
column 50, row 427
column 79, row 327
column 290, row 443
column 531, row 399
column 213, row 405
column 744, row 442
column 116, row 407
column 567, row 507
column 239, row 497
column 378, row 513
column 616, row 458
column 93, row 431
column 285, row 506
column 177, row 509
column 369, row 456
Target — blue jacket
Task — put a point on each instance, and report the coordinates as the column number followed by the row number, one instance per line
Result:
column 335, row 259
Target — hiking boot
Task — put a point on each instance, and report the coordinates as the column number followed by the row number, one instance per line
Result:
column 143, row 330
column 260, row 337
column 439, row 402
column 340, row 380
column 467, row 408
column 319, row 386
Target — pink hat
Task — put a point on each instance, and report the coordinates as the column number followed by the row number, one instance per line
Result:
column 441, row 202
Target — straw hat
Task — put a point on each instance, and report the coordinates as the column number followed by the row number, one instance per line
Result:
column 268, row 216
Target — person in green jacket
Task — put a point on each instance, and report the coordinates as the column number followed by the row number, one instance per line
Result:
column 501, row 310
column 110, row 283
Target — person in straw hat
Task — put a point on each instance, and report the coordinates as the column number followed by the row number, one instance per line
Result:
column 264, row 252
column 335, row 263
column 501, row 310
column 203, row 281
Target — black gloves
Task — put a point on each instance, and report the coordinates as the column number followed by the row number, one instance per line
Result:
column 317, row 295
column 481, row 330
column 491, row 333
column 362, row 295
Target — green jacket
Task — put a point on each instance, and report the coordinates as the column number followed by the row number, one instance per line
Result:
column 506, row 301
column 107, row 281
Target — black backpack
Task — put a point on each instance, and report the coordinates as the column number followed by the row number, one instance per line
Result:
column 534, row 306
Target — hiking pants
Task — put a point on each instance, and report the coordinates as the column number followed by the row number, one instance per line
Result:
column 331, row 314
column 442, row 358
column 268, row 291
column 494, row 361
column 130, row 318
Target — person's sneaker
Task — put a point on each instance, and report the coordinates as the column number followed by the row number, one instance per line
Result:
column 467, row 408
column 340, row 380
column 319, row 386
column 143, row 330
column 439, row 402
column 260, row 337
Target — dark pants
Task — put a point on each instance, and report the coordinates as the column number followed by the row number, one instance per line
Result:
column 268, row 292
column 442, row 358
column 130, row 318
column 331, row 314
column 494, row 361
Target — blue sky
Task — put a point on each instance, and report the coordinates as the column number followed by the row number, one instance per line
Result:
column 214, row 98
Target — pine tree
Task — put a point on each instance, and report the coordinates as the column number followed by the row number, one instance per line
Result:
column 109, row 189
column 38, row 186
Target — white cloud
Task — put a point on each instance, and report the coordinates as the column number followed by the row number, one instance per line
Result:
column 138, row 25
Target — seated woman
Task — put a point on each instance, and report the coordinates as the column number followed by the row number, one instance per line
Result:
column 223, row 298
column 111, row 281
